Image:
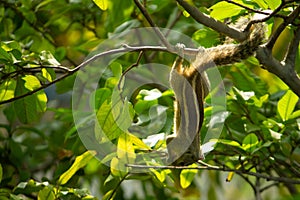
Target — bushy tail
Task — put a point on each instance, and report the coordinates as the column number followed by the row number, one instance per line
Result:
column 231, row 53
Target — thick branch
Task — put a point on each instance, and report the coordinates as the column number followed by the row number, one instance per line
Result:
column 212, row 23
column 286, row 74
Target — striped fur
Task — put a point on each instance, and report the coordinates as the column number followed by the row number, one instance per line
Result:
column 191, row 87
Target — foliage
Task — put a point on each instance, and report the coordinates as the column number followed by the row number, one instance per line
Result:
column 43, row 155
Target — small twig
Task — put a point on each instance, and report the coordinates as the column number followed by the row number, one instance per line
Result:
column 36, row 90
column 290, row 57
column 224, row 169
column 117, row 186
column 270, row 15
column 247, row 8
column 257, row 189
column 248, row 181
column 268, row 186
column 129, row 68
column 291, row 17
column 155, row 28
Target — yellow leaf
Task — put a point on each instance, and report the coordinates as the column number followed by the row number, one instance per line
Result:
column 118, row 167
column 102, row 4
column 187, row 176
column 125, row 148
column 80, row 162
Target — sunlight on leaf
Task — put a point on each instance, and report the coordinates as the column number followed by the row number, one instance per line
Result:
column 46, row 74
column 250, row 142
column 99, row 96
column 7, row 89
column 160, row 175
column 125, row 148
column 227, row 142
column 273, row 4
column 224, row 10
column 187, row 176
column 287, row 104
column 25, row 108
column 139, row 144
column 79, row 163
column 118, row 167
column 295, row 115
column 46, row 194
column 262, row 3
column 31, row 82
column 113, row 119
column 102, row 4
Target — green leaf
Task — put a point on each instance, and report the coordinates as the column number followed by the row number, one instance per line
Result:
column 46, row 194
column 116, row 69
column 118, row 167
column 228, row 142
column 99, row 96
column 242, row 81
column 48, row 74
column 273, row 4
column 224, row 10
column 114, row 118
column 109, row 195
column 187, row 176
column 5, row 56
column 31, row 82
column 286, row 105
column 295, row 115
column 206, row 37
column 160, row 175
column 80, row 162
column 250, row 142
column 286, row 148
column 25, row 108
column 7, row 89
column 262, row 3
column 102, row 4
column 10, row 45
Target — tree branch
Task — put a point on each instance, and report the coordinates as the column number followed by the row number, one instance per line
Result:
column 290, row 57
column 224, row 169
column 291, row 17
column 124, row 49
column 270, row 15
column 154, row 26
column 256, row 11
column 212, row 23
column 287, row 75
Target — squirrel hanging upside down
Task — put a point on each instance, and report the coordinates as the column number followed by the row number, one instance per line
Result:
column 191, row 86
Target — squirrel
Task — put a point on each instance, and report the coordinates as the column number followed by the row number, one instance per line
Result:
column 191, row 86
